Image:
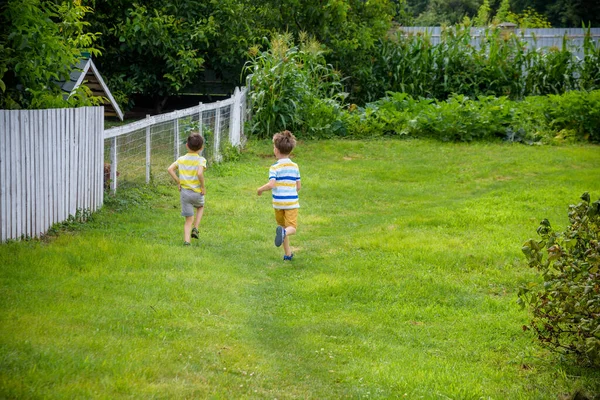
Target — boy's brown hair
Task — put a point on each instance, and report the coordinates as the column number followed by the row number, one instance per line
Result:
column 284, row 141
column 195, row 141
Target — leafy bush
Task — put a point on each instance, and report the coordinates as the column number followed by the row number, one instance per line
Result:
column 555, row 118
column 463, row 119
column 566, row 306
column 577, row 112
column 457, row 119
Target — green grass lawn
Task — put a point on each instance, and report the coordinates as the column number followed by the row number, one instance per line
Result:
column 403, row 285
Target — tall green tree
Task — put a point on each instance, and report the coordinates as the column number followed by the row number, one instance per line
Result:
column 161, row 48
column 40, row 42
column 560, row 13
column 449, row 12
column 150, row 49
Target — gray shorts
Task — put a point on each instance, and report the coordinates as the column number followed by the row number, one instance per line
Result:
column 189, row 201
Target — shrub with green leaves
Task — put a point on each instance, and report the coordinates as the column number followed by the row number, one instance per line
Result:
column 458, row 119
column 566, row 304
column 573, row 116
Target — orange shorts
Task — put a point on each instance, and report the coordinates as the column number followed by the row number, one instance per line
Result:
column 287, row 218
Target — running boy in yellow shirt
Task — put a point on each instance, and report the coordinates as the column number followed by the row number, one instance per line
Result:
column 191, row 185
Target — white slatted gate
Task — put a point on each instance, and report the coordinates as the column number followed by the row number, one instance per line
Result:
column 51, row 167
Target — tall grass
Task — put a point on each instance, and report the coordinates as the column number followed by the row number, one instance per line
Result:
column 404, row 283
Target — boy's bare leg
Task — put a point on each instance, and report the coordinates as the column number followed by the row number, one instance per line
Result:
column 290, row 230
column 199, row 213
column 187, row 229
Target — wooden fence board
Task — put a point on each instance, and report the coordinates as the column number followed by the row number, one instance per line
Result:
column 52, row 141
column 27, row 178
column 37, row 171
column 16, row 188
column 59, row 172
column 3, row 178
column 70, row 174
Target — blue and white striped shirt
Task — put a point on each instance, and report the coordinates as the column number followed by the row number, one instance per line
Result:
column 286, row 174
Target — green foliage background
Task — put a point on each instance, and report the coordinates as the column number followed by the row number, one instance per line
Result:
column 157, row 49
column 40, row 42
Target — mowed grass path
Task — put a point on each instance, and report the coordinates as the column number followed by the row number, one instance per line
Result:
column 403, row 286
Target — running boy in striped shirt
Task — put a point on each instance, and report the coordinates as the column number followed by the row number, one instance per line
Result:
column 191, row 185
column 284, row 181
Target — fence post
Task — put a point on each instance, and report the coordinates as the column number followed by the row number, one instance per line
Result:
column 148, row 145
column 217, row 133
column 113, row 165
column 176, row 139
column 235, row 124
column 248, row 112
column 200, row 124
column 4, row 119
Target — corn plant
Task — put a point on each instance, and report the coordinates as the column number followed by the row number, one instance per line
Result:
column 292, row 87
column 590, row 69
column 500, row 62
column 454, row 64
column 403, row 65
column 550, row 72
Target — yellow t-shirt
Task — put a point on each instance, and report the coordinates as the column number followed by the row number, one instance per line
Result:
column 188, row 171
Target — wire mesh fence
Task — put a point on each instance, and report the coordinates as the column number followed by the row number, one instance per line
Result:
column 140, row 152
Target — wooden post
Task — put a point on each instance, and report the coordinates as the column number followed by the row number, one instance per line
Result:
column 148, row 148
column 200, row 124
column 234, row 118
column 176, row 139
column 4, row 117
column 217, row 133
column 113, row 165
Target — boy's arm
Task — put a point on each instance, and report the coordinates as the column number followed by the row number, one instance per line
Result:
column 298, row 185
column 171, row 170
column 267, row 186
column 201, row 179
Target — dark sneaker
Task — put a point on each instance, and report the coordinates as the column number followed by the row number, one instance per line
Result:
column 195, row 233
column 279, row 235
column 288, row 258
column 187, row 244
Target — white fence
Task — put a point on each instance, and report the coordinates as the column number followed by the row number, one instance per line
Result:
column 50, row 168
column 535, row 38
column 141, row 152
